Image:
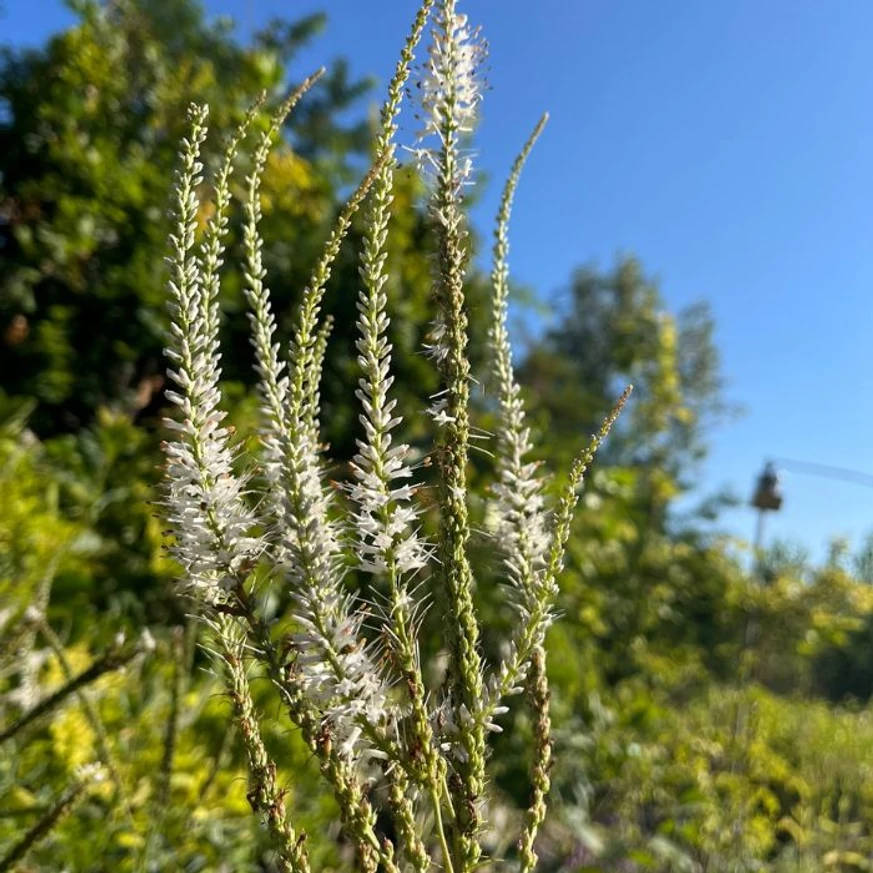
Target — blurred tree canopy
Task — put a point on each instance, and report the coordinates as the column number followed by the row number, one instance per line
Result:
column 88, row 131
column 613, row 328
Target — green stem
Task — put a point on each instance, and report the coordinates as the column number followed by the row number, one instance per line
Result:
column 441, row 833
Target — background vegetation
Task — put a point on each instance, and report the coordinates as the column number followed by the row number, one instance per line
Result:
column 705, row 721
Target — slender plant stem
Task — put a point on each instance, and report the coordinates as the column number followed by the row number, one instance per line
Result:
column 62, row 807
column 91, row 713
column 112, row 660
column 441, row 831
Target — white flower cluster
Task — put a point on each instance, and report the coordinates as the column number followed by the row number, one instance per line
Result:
column 385, row 519
column 338, row 673
column 205, row 502
column 519, row 513
column 450, row 88
column 337, row 667
column 349, row 670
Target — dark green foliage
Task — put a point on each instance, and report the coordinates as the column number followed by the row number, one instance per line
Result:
column 87, row 144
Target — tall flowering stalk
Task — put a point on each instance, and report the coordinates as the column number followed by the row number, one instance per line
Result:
column 338, row 665
column 269, row 365
column 521, row 532
column 521, row 529
column 451, row 92
column 341, row 676
column 388, row 544
column 348, row 670
column 265, row 796
column 302, row 540
column 204, row 496
column 205, row 505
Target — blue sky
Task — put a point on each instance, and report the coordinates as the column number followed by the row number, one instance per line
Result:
column 729, row 144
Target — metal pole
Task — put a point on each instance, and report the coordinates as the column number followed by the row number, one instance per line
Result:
column 758, row 568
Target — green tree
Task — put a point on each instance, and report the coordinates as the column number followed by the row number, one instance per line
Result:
column 87, row 132
column 613, row 327
column 641, row 585
column 862, row 561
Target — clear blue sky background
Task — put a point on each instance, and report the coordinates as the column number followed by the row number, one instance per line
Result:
column 729, row 143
